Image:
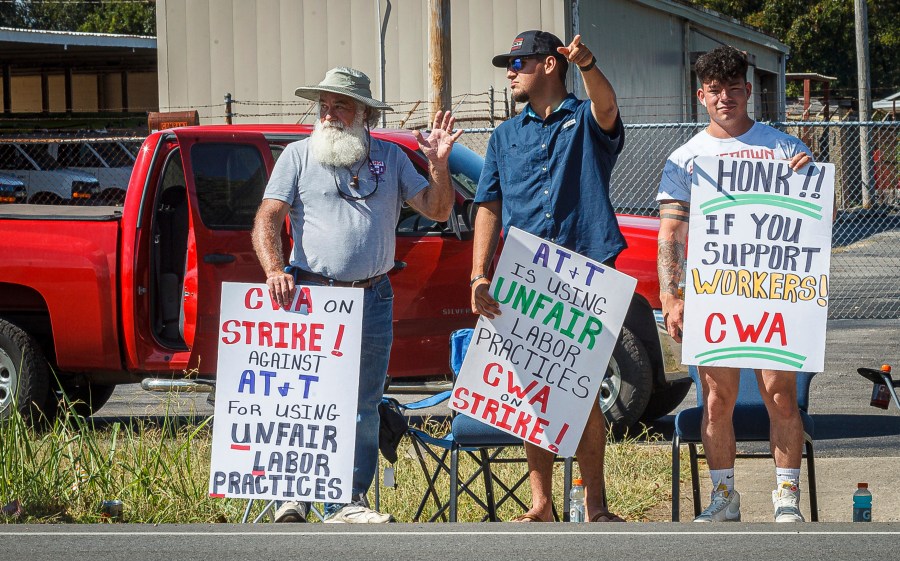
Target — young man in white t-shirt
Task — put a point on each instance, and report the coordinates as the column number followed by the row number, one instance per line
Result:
column 725, row 93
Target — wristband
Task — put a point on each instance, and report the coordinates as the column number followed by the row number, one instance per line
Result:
column 476, row 279
column 589, row 66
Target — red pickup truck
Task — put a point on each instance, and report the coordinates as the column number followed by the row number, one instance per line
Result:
column 91, row 297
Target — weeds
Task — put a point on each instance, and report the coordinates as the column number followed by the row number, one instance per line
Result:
column 160, row 471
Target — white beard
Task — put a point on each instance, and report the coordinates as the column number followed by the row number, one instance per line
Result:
column 336, row 146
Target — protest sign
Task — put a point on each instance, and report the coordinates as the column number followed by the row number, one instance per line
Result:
column 286, row 393
column 534, row 371
column 759, row 253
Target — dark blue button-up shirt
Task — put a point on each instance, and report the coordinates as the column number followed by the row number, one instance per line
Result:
column 553, row 178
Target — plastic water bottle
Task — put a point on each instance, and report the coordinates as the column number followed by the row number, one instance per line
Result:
column 881, row 396
column 862, row 503
column 576, row 501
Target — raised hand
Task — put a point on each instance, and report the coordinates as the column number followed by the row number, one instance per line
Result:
column 577, row 53
column 441, row 139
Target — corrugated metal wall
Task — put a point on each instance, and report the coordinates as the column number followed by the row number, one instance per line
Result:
column 261, row 50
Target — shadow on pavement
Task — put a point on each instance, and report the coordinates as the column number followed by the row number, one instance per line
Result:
column 833, row 426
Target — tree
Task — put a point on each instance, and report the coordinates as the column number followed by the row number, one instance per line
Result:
column 133, row 17
column 820, row 34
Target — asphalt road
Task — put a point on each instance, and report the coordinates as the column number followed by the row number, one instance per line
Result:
column 495, row 541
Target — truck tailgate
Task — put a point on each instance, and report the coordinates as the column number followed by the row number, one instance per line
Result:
column 61, row 261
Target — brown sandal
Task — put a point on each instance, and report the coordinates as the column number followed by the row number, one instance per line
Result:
column 527, row 517
column 606, row 517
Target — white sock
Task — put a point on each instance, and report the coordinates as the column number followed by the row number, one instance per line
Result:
column 787, row 474
column 722, row 477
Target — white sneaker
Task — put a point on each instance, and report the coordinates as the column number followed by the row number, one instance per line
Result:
column 292, row 511
column 725, row 507
column 357, row 514
column 786, row 499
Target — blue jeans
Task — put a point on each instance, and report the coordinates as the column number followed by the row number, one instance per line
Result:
column 377, row 337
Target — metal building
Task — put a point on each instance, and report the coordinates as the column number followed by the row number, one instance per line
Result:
column 261, row 50
column 47, row 72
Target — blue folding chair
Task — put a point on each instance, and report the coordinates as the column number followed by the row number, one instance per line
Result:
column 751, row 424
column 483, row 443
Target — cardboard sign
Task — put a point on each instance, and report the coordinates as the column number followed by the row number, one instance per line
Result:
column 759, row 254
column 286, row 394
column 535, row 370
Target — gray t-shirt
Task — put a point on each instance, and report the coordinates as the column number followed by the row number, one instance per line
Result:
column 338, row 238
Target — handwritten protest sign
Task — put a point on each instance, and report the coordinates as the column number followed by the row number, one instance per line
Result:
column 286, row 392
column 759, row 253
column 535, row 370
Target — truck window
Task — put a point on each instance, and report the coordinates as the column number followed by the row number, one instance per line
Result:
column 412, row 223
column 276, row 151
column 77, row 155
column 41, row 154
column 12, row 158
column 230, row 180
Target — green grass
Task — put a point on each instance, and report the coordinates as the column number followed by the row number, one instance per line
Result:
column 160, row 472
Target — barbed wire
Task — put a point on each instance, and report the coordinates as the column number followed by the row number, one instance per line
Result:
column 84, row 1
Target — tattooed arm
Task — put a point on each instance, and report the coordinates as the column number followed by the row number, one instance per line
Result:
column 670, row 262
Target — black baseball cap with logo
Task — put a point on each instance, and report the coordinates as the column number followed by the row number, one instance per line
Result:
column 529, row 43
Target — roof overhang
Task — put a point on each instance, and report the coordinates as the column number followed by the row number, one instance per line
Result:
column 811, row 76
column 29, row 52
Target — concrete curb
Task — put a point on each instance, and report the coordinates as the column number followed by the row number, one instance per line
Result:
column 836, row 479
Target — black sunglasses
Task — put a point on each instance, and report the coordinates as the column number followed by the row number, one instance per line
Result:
column 518, row 63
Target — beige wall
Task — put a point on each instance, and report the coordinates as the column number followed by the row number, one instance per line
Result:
column 26, row 94
column 143, row 93
column 261, row 50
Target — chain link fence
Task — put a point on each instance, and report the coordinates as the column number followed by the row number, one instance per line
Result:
column 87, row 170
column 66, row 171
column 866, row 235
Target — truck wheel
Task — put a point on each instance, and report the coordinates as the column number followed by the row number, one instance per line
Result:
column 24, row 374
column 85, row 398
column 625, row 391
column 665, row 399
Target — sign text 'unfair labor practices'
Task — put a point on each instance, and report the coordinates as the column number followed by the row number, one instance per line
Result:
column 534, row 371
column 286, row 394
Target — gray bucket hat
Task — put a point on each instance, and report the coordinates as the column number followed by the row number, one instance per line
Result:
column 344, row 81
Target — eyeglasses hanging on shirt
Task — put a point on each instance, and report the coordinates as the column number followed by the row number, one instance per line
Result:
column 355, row 185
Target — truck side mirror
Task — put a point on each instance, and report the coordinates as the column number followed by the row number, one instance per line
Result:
column 464, row 219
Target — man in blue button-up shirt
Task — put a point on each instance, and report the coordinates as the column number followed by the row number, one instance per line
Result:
column 547, row 172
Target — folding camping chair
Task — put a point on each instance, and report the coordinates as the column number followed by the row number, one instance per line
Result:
column 482, row 443
column 751, row 424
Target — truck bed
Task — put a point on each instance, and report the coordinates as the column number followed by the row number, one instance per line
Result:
column 60, row 212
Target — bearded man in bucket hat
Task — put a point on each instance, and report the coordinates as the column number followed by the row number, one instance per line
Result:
column 547, row 171
column 343, row 191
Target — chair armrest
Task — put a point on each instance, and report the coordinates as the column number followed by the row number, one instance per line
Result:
column 430, row 401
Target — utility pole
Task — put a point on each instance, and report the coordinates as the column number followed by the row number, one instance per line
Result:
column 865, row 101
column 382, row 32
column 439, row 54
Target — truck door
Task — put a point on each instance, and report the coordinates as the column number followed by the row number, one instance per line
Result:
column 225, row 175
